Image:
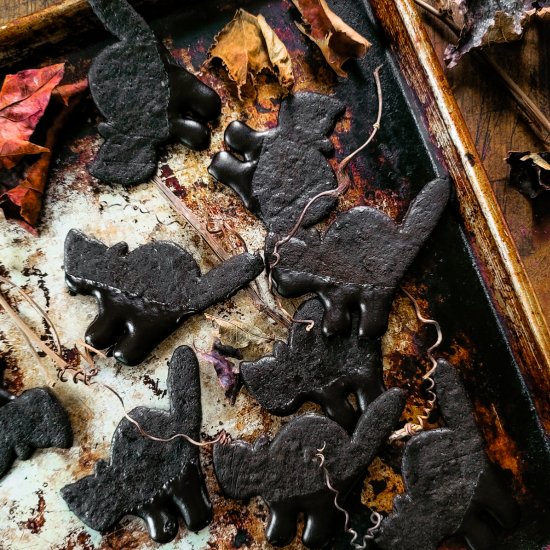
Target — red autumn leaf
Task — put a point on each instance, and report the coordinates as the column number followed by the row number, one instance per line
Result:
column 23, row 202
column 23, row 99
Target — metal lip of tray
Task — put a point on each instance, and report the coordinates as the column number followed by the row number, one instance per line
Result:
column 469, row 275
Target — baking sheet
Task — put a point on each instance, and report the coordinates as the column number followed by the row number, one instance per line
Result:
column 388, row 175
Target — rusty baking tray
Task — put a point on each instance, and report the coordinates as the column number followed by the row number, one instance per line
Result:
column 468, row 276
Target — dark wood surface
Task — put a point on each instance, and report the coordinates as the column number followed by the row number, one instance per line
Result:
column 492, row 119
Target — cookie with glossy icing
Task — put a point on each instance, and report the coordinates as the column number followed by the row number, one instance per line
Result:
column 358, row 263
column 286, row 474
column 450, row 485
column 146, row 97
column 317, row 368
column 33, row 420
column 157, row 481
column 279, row 170
column 144, row 295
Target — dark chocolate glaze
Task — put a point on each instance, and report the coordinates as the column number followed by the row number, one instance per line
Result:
column 286, row 474
column 358, row 263
column 283, row 168
column 33, row 420
column 146, row 97
column 156, row 481
column 313, row 367
column 144, row 295
column 451, row 488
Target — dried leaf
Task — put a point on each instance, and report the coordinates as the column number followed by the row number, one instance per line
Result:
column 530, row 172
column 23, row 99
column 487, row 21
column 337, row 41
column 247, row 46
column 22, row 202
column 66, row 92
column 224, row 368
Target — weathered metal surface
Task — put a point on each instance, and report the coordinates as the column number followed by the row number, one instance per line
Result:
column 32, row 513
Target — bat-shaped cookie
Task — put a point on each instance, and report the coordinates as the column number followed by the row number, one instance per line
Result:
column 146, row 97
column 144, row 295
column 156, row 480
column 283, row 168
column 450, row 486
column 286, row 473
column 33, row 420
column 314, row 367
column 358, row 263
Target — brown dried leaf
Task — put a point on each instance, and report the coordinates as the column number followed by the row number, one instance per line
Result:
column 487, row 21
column 247, row 45
column 530, row 172
column 337, row 41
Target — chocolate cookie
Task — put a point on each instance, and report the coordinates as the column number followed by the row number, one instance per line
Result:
column 286, row 473
column 146, row 97
column 285, row 167
column 313, row 367
column 358, row 263
column 450, row 486
column 157, row 481
column 144, row 295
column 33, row 420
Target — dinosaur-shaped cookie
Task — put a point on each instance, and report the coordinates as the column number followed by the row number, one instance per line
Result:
column 286, row 474
column 146, row 97
column 144, row 295
column 313, row 367
column 358, row 263
column 284, row 167
column 158, row 481
column 450, row 487
column 33, row 420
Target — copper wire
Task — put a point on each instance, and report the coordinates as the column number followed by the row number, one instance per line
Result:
column 375, row 517
column 412, row 428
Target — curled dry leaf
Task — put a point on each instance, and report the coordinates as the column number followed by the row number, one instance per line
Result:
column 247, row 45
column 23, row 101
column 487, row 21
column 530, row 172
column 337, row 41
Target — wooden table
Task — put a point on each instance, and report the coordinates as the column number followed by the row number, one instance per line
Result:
column 493, row 121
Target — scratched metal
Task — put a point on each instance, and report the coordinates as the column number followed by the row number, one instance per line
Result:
column 32, row 513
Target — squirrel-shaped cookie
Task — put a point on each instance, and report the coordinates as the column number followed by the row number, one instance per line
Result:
column 159, row 481
column 33, row 420
column 286, row 473
column 358, row 263
column 144, row 295
column 450, row 485
column 313, row 367
column 284, row 167
column 146, row 97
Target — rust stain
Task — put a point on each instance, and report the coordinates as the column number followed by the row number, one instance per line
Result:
column 153, row 385
column 500, row 447
column 37, row 520
column 77, row 540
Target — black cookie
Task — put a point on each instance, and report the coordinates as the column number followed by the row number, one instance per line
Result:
column 33, row 420
column 358, row 263
column 144, row 295
column 157, row 481
column 146, row 97
column 285, row 167
column 312, row 367
column 286, row 474
column 450, row 485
